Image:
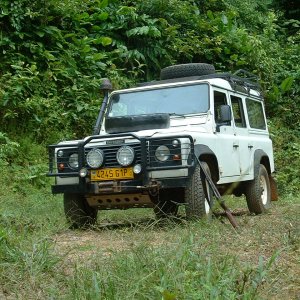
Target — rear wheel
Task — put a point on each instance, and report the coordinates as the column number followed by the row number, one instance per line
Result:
column 198, row 194
column 258, row 192
column 78, row 212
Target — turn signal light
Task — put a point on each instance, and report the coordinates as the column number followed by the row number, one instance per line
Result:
column 177, row 157
column 61, row 167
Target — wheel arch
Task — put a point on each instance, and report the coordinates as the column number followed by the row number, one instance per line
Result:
column 204, row 153
column 260, row 157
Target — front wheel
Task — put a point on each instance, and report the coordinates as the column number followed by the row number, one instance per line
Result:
column 198, row 194
column 78, row 212
column 258, row 192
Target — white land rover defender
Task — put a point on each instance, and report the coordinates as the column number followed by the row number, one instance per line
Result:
column 153, row 144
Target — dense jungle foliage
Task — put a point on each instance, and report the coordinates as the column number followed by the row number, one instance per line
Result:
column 53, row 55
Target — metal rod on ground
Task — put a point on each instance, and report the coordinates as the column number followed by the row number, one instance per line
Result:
column 218, row 196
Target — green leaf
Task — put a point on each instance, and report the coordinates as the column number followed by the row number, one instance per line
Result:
column 105, row 41
column 286, row 84
column 103, row 16
column 40, row 33
column 210, row 15
column 103, row 3
column 86, row 49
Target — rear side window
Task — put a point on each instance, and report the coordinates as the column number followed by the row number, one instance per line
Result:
column 255, row 114
column 238, row 112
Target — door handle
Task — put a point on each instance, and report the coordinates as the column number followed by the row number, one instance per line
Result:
column 235, row 145
column 250, row 146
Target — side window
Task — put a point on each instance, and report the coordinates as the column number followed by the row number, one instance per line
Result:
column 219, row 99
column 255, row 114
column 238, row 111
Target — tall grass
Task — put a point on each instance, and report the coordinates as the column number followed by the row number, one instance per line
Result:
column 179, row 271
column 139, row 258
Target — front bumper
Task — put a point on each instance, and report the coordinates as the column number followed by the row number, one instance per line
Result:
column 153, row 176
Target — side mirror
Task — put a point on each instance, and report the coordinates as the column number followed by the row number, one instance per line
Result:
column 225, row 114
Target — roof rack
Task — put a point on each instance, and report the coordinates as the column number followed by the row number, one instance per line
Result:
column 241, row 80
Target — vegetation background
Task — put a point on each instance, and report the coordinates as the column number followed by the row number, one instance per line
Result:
column 53, row 55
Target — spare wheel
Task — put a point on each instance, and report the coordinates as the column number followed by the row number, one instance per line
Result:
column 186, row 70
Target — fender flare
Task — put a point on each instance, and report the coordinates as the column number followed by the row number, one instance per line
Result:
column 204, row 153
column 261, row 157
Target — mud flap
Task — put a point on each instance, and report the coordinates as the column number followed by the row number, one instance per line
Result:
column 274, row 190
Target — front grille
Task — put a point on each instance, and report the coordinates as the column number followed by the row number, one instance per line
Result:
column 110, row 152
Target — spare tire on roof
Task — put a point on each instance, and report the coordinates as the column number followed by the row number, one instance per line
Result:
column 186, row 70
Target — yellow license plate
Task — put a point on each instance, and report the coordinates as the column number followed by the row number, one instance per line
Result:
column 112, row 174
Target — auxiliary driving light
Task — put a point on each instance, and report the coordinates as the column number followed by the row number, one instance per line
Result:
column 137, row 169
column 83, row 172
column 95, row 158
column 125, row 156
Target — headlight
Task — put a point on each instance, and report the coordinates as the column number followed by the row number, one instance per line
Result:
column 73, row 161
column 95, row 158
column 125, row 156
column 162, row 153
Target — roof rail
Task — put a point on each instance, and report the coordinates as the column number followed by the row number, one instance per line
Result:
column 246, row 79
column 246, row 74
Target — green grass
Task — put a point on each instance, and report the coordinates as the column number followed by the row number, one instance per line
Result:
column 129, row 255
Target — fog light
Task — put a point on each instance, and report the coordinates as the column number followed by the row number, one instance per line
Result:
column 83, row 172
column 137, row 169
column 177, row 157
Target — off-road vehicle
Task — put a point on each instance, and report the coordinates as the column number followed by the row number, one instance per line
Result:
column 151, row 145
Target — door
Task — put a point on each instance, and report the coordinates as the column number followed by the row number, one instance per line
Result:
column 227, row 143
column 242, row 134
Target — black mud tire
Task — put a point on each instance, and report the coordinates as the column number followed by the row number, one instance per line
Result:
column 258, row 191
column 195, row 195
column 167, row 203
column 186, row 70
column 78, row 212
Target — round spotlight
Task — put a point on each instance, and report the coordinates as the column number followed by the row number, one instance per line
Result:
column 83, row 172
column 137, row 169
column 162, row 153
column 125, row 156
column 73, row 161
column 95, row 158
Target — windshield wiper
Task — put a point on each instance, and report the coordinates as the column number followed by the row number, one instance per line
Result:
column 177, row 115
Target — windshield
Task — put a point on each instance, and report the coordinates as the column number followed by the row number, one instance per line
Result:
column 181, row 100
